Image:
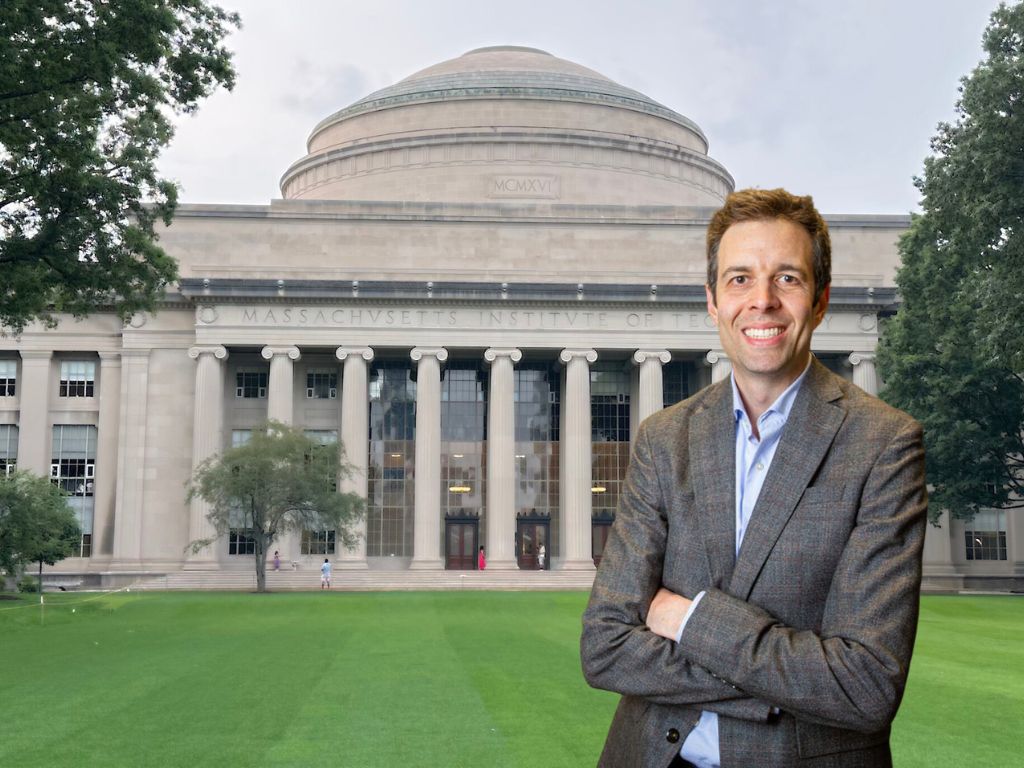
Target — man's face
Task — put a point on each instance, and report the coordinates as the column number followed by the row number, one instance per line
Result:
column 764, row 311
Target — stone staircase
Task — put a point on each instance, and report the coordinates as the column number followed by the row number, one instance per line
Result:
column 371, row 580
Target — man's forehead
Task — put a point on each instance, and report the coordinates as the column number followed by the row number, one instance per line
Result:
column 777, row 238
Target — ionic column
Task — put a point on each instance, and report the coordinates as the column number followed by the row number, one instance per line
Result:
column 281, row 382
column 281, row 407
column 864, row 375
column 426, row 553
column 938, row 570
column 106, row 455
column 207, row 440
column 131, row 457
column 652, row 387
column 34, row 417
column 501, row 469
column 720, row 365
column 355, row 427
column 576, row 502
column 1015, row 540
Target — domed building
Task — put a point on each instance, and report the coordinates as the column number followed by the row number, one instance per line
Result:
column 479, row 280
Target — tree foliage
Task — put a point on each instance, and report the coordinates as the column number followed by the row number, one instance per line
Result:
column 87, row 92
column 36, row 523
column 278, row 481
column 954, row 355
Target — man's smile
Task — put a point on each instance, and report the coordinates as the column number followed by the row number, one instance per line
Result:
column 762, row 333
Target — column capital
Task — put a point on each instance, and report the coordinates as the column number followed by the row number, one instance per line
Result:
column 716, row 356
column 36, row 354
column 364, row 352
column 268, row 353
column 861, row 357
column 590, row 355
column 418, row 353
column 216, row 350
column 494, row 353
column 642, row 355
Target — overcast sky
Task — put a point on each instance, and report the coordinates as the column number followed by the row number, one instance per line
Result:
column 832, row 98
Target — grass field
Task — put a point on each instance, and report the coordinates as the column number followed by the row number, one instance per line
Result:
column 399, row 679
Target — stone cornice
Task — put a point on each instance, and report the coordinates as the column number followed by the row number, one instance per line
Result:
column 532, row 212
column 641, row 296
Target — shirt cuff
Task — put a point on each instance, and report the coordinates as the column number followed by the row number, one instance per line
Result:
column 689, row 613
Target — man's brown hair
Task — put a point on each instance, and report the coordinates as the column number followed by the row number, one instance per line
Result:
column 767, row 205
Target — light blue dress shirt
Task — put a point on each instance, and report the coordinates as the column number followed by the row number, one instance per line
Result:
column 753, row 458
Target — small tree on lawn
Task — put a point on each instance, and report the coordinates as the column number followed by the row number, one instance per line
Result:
column 279, row 481
column 36, row 523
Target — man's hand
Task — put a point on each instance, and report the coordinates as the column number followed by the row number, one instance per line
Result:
column 666, row 613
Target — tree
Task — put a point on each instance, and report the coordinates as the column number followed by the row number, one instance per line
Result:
column 36, row 523
column 278, row 481
column 87, row 91
column 954, row 356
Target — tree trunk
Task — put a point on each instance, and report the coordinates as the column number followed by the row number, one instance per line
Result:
column 40, row 585
column 261, row 561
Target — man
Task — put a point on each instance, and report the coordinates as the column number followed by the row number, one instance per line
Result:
column 325, row 574
column 757, row 600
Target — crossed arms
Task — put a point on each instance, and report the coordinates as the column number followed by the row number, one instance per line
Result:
column 735, row 658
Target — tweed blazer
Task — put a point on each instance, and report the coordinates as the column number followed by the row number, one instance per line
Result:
column 802, row 641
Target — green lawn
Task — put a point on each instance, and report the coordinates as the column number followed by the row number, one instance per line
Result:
column 397, row 679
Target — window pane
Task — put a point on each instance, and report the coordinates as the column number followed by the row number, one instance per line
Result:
column 73, row 468
column 8, row 374
column 390, row 489
column 77, row 378
column 8, row 448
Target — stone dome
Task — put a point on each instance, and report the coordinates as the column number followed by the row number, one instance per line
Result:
column 508, row 123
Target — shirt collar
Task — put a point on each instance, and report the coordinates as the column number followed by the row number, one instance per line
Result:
column 782, row 405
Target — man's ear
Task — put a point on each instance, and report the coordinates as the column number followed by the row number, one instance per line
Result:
column 712, row 307
column 822, row 306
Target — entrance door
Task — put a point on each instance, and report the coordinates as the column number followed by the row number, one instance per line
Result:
column 599, row 537
column 461, row 544
column 532, row 536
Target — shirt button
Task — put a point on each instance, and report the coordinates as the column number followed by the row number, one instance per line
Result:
column 672, row 736
column 760, row 466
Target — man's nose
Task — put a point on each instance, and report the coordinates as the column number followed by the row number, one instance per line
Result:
column 764, row 294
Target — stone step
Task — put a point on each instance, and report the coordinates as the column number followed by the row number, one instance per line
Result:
column 373, row 581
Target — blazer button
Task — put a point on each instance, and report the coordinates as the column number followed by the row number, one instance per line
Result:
column 672, row 736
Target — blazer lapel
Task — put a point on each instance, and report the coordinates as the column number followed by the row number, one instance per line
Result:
column 806, row 438
column 712, row 453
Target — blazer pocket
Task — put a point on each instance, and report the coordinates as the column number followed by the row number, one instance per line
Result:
column 816, row 494
column 815, row 740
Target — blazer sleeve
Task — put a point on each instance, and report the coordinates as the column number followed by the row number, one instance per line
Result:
column 852, row 673
column 618, row 651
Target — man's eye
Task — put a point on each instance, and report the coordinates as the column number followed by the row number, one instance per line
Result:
column 789, row 279
column 739, row 280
